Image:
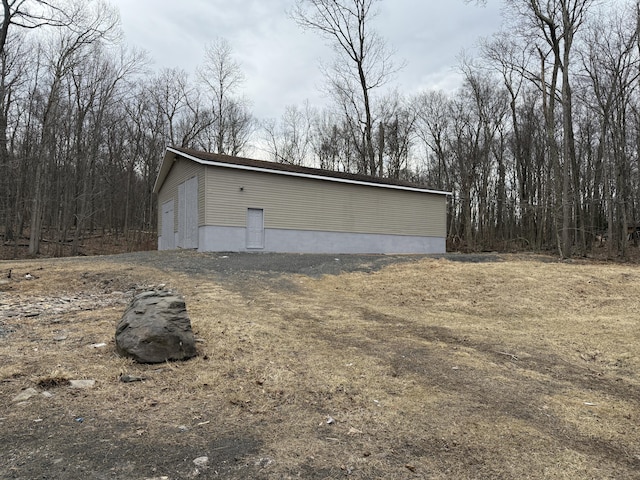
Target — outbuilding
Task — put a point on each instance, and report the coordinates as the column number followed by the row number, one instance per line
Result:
column 213, row 202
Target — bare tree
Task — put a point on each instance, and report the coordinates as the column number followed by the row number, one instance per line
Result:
column 14, row 66
column 290, row 139
column 31, row 14
column 97, row 89
column 170, row 90
column 241, row 124
column 66, row 51
column 334, row 147
column 611, row 63
column 559, row 21
column 432, row 128
column 396, row 126
column 222, row 77
column 476, row 117
column 363, row 61
column 551, row 26
column 506, row 54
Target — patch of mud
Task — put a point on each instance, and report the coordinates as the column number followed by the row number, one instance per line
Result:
column 110, row 450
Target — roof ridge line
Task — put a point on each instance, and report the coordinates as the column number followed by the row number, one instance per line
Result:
column 243, row 163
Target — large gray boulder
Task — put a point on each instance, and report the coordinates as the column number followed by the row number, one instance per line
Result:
column 155, row 328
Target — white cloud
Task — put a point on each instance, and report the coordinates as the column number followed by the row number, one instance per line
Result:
column 281, row 62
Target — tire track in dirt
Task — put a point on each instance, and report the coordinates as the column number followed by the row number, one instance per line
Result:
column 504, row 390
column 545, row 363
column 520, row 400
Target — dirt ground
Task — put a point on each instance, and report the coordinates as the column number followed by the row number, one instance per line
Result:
column 326, row 367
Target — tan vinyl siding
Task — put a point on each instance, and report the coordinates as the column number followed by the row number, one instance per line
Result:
column 310, row 204
column 181, row 171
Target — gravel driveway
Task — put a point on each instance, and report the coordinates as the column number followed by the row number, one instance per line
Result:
column 222, row 266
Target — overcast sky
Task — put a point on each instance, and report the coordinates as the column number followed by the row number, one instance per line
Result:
column 281, row 61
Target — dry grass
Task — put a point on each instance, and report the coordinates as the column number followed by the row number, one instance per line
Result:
column 429, row 369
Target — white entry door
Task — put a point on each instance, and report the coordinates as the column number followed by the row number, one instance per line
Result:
column 255, row 228
column 168, row 238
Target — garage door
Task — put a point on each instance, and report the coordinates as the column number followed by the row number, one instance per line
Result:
column 168, row 238
column 188, row 214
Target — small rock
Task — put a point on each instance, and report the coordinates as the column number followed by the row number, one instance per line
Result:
column 82, row 383
column 98, row 345
column 131, row 378
column 183, row 428
column 264, row 462
column 47, row 394
column 61, row 336
column 25, row 395
column 201, row 462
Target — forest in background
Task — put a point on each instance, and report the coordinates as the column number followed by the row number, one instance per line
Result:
column 539, row 145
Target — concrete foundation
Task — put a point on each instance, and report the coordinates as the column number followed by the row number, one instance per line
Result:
column 234, row 239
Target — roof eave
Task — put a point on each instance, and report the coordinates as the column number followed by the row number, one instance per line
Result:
column 165, row 167
column 161, row 178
